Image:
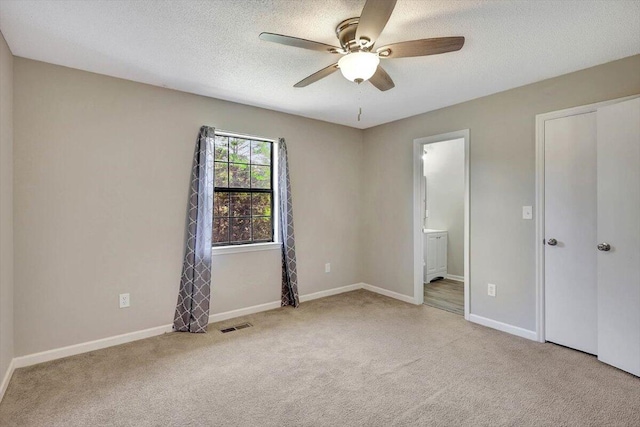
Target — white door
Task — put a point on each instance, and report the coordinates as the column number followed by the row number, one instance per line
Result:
column 432, row 251
column 619, row 227
column 442, row 252
column 570, row 232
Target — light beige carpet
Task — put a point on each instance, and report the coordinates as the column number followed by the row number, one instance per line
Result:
column 356, row 359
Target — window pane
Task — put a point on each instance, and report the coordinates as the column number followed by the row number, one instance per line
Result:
column 221, row 204
column 260, row 176
column 242, row 216
column 238, row 175
column 260, row 153
column 220, row 173
column 240, row 204
column 239, row 150
column 222, row 148
column 261, row 204
column 240, row 229
column 220, row 230
column 261, row 228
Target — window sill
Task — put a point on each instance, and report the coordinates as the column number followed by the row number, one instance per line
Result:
column 254, row 247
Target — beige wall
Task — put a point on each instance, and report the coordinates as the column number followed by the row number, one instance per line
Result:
column 6, row 207
column 502, row 181
column 101, row 177
column 444, row 170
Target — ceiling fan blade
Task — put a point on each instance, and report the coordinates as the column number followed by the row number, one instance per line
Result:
column 374, row 17
column 317, row 76
column 421, row 47
column 381, row 80
column 296, row 42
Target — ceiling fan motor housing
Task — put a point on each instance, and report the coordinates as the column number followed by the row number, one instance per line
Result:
column 346, row 32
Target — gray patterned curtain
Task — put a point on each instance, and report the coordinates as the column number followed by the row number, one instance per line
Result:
column 289, row 271
column 192, row 311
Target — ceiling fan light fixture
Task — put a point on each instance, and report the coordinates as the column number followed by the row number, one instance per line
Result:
column 359, row 66
column 357, row 37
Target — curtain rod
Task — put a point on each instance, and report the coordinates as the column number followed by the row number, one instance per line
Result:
column 242, row 135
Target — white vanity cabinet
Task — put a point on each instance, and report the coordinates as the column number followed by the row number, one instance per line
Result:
column 435, row 254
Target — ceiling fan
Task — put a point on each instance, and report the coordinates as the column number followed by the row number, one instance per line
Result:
column 357, row 36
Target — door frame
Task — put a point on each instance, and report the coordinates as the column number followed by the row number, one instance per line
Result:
column 539, row 200
column 418, row 247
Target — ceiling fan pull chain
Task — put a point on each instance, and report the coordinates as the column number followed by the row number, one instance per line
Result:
column 359, row 102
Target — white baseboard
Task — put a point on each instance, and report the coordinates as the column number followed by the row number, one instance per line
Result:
column 328, row 293
column 504, row 327
column 7, row 377
column 219, row 317
column 46, row 356
column 72, row 350
column 388, row 293
column 277, row 304
column 456, row 278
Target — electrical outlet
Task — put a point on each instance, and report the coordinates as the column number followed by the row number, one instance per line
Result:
column 491, row 290
column 327, row 267
column 527, row 212
column 124, row 300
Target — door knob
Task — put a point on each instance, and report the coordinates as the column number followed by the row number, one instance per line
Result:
column 604, row 247
column 552, row 242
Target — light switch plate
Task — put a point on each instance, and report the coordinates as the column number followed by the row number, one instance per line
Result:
column 327, row 268
column 527, row 212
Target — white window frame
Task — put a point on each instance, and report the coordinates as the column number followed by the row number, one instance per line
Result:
column 263, row 246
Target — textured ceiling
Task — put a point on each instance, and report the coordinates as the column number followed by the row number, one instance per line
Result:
column 212, row 48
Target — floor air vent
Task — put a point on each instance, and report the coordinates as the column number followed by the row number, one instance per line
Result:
column 236, row 328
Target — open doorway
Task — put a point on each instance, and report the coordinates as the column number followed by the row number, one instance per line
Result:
column 441, row 222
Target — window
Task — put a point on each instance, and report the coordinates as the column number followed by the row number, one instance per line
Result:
column 243, row 191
